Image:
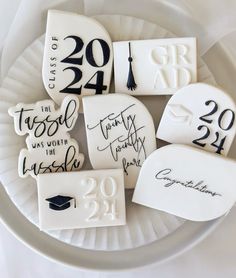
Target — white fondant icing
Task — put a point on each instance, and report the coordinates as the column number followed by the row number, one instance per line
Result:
column 97, row 199
column 159, row 67
column 78, row 56
column 187, row 182
column 49, row 146
column 199, row 115
column 120, row 133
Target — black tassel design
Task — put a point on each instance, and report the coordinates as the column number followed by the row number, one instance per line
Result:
column 74, row 202
column 131, row 85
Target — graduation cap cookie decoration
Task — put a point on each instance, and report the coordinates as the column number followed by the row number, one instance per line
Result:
column 81, row 199
column 60, row 202
column 200, row 115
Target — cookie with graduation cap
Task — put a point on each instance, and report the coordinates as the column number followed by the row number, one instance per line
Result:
column 81, row 199
column 60, row 202
column 200, row 115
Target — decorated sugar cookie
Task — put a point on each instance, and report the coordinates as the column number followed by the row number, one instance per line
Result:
column 78, row 56
column 187, row 182
column 81, row 199
column 199, row 115
column 120, row 133
column 49, row 146
column 154, row 67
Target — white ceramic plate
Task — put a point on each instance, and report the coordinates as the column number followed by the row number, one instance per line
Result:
column 23, row 84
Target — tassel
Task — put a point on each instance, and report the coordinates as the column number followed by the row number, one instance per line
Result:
column 131, row 85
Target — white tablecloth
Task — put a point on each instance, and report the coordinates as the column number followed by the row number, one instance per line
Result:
column 214, row 257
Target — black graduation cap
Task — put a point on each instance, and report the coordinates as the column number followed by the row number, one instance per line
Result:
column 60, row 202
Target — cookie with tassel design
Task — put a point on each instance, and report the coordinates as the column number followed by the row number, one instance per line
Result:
column 155, row 67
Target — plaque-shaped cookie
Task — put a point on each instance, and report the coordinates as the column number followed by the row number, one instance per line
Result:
column 78, row 56
column 49, row 145
column 199, row 115
column 187, row 182
column 154, row 67
column 81, row 199
column 120, row 133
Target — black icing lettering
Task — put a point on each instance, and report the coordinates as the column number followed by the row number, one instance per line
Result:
column 163, row 175
column 78, row 47
column 54, row 46
column 22, row 111
column 212, row 112
column 77, row 77
column 126, row 164
column 130, row 138
column 221, row 117
column 70, row 163
column 69, row 114
column 48, row 124
column 51, row 86
column 205, row 136
column 112, row 120
column 98, row 86
column 105, row 50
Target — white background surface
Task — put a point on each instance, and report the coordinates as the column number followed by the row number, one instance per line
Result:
column 214, row 257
